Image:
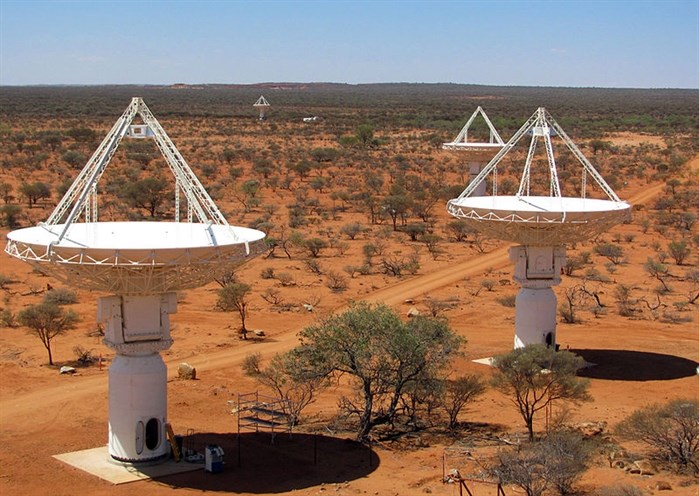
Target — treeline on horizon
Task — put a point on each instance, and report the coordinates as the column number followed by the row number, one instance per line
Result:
column 585, row 112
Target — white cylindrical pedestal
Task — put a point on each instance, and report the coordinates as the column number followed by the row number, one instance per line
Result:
column 535, row 317
column 138, row 408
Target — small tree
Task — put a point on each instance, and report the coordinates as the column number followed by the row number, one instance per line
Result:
column 611, row 251
column 82, row 134
column 10, row 215
column 34, row 192
column 364, row 135
column 572, row 264
column 679, row 251
column 228, row 155
column 625, row 305
column 233, row 297
column 52, row 139
column 352, row 230
column 415, row 229
column 672, row 430
column 535, row 376
column 396, row 206
column 6, row 191
column 432, row 243
column 141, row 151
column 315, row 245
column 383, row 356
column 290, row 377
column 458, row 393
column 149, row 194
column 574, row 297
column 247, row 193
column 46, row 321
column 693, row 277
column 324, row 155
column 658, row 270
column 74, row 158
column 459, row 230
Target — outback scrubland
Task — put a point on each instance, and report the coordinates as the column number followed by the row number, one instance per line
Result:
column 353, row 205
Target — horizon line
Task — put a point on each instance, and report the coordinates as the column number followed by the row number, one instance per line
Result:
column 300, row 83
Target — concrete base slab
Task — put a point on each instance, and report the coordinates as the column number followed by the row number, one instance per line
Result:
column 96, row 461
column 484, row 361
column 489, row 362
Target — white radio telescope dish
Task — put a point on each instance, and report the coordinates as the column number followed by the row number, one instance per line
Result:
column 462, row 142
column 143, row 264
column 476, row 152
column 262, row 105
column 541, row 225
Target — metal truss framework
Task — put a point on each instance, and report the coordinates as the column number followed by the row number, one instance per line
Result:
column 462, row 138
column 146, row 273
column 261, row 102
column 540, row 125
column 540, row 228
column 81, row 197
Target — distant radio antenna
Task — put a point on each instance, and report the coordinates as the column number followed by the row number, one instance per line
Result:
column 263, row 105
column 477, row 152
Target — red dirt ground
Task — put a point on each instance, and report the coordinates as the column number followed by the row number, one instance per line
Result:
column 43, row 414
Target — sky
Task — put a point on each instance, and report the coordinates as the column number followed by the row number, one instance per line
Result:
column 617, row 44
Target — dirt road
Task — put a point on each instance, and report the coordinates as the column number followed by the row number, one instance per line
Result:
column 54, row 395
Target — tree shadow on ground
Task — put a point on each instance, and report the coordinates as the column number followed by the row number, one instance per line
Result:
column 626, row 365
column 286, row 464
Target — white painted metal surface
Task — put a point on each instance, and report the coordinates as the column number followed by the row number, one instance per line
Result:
column 262, row 105
column 541, row 225
column 137, row 396
column 539, row 220
column 261, row 102
column 136, row 257
column 462, row 143
column 82, row 194
column 535, row 126
column 535, row 317
column 478, row 153
column 143, row 264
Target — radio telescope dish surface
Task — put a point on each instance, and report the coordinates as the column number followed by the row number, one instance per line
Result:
column 560, row 218
column 540, row 225
column 143, row 265
column 539, row 220
column 135, row 257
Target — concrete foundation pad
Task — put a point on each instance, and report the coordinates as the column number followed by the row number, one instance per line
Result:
column 489, row 362
column 484, row 361
column 96, row 461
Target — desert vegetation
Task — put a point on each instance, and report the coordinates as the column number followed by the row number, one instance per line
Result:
column 353, row 205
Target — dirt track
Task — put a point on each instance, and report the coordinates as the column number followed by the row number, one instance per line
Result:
column 55, row 395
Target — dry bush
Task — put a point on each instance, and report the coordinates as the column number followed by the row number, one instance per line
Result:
column 336, row 282
column 60, row 296
column 620, row 490
column 671, row 430
column 507, row 300
column 557, row 461
column 285, row 279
